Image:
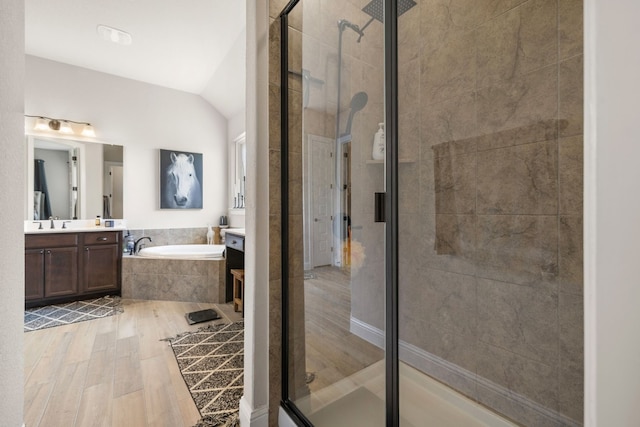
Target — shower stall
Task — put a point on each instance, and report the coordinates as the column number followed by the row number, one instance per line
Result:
column 441, row 285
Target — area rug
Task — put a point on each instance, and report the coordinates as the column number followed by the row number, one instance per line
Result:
column 72, row 312
column 211, row 361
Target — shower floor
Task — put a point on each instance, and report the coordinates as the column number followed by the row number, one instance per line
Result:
column 359, row 400
column 348, row 387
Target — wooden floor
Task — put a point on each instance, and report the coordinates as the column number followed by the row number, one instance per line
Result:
column 332, row 351
column 113, row 371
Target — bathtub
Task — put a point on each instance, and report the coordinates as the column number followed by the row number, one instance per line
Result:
column 184, row 251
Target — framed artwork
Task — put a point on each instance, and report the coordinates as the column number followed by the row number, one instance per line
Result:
column 180, row 180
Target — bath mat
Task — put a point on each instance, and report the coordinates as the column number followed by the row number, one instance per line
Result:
column 211, row 361
column 72, row 312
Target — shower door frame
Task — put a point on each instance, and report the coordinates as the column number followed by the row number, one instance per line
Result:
column 392, row 403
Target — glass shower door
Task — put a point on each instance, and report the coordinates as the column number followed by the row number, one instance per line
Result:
column 333, row 77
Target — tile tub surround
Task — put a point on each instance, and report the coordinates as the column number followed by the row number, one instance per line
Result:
column 173, row 279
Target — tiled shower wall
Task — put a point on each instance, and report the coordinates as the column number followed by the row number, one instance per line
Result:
column 490, row 99
column 491, row 211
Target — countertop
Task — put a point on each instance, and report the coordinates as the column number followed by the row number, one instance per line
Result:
column 73, row 226
column 235, row 231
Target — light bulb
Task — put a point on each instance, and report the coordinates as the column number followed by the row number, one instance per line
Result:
column 65, row 127
column 87, row 130
column 41, row 124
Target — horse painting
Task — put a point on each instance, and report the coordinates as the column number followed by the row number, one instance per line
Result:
column 181, row 189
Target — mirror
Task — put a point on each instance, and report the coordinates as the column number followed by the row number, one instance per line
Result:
column 71, row 179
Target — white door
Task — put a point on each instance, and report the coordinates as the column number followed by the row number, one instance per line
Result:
column 321, row 173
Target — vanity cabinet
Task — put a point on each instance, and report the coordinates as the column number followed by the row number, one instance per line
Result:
column 51, row 266
column 234, row 260
column 101, row 262
column 69, row 266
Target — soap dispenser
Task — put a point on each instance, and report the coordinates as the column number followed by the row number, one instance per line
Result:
column 129, row 243
column 377, row 152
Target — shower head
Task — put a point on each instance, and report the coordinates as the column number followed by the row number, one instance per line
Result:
column 375, row 8
column 358, row 102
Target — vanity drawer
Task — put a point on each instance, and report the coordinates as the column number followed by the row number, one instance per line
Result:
column 34, row 241
column 101, row 238
column 234, row 241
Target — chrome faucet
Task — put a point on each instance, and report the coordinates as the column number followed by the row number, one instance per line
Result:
column 52, row 224
column 137, row 245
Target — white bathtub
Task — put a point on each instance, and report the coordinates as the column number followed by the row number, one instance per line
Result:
column 184, row 251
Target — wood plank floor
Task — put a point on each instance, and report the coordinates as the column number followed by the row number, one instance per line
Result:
column 332, row 351
column 113, row 371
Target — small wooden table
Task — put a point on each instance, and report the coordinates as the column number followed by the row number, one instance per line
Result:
column 238, row 289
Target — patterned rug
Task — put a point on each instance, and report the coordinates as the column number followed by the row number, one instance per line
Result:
column 72, row 312
column 211, row 361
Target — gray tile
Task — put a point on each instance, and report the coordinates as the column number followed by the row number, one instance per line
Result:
column 570, row 31
column 570, row 254
column 449, row 242
column 571, row 316
column 460, row 350
column 527, row 102
column 452, row 121
column 449, row 70
column 519, row 180
column 519, row 41
column 570, row 175
column 517, row 374
column 571, row 96
column 571, row 391
column 519, row 318
column 408, row 185
column 455, row 184
column 519, row 249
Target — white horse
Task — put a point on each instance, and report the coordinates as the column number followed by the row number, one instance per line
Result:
column 183, row 188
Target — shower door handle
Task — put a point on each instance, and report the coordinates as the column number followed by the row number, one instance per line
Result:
column 380, row 207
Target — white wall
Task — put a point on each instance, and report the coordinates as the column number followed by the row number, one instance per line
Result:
column 254, row 402
column 11, row 212
column 143, row 118
column 612, row 213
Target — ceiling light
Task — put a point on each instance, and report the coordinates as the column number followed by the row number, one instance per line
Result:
column 45, row 124
column 114, row 35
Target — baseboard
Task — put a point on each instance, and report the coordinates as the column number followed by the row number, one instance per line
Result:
column 250, row 417
column 513, row 405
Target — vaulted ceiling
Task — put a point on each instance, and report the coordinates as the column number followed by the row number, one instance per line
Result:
column 195, row 46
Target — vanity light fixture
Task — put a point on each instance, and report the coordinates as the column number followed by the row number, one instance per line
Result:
column 44, row 124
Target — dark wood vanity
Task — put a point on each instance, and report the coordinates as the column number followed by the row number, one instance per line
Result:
column 68, row 266
column 234, row 259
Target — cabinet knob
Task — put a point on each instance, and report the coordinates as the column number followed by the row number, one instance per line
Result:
column 48, row 252
column 86, row 249
column 101, row 239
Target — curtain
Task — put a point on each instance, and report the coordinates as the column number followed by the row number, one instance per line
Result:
column 40, row 184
